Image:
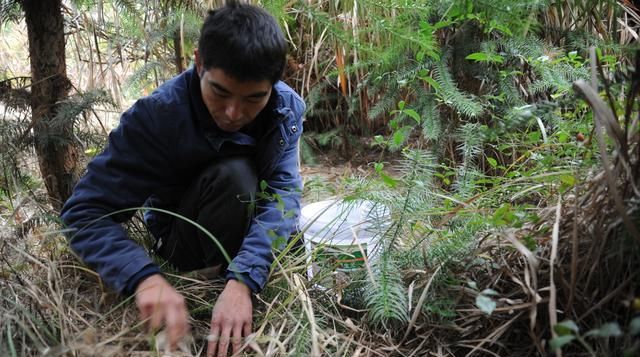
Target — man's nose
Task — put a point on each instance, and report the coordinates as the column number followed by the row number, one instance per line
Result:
column 233, row 110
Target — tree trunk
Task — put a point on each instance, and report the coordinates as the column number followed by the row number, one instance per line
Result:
column 177, row 50
column 57, row 154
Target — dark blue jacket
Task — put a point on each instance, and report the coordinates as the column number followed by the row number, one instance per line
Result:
column 162, row 142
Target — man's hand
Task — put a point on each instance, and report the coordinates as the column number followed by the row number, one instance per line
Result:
column 231, row 319
column 158, row 300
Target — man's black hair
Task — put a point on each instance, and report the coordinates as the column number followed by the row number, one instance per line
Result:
column 244, row 41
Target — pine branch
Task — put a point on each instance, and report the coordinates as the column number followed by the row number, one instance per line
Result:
column 387, row 299
column 464, row 103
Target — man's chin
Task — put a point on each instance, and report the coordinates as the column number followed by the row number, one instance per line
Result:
column 228, row 128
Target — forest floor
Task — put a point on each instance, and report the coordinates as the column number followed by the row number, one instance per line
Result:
column 501, row 296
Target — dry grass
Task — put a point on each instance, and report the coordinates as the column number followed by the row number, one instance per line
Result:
column 51, row 305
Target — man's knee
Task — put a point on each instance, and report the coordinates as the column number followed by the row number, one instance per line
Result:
column 233, row 176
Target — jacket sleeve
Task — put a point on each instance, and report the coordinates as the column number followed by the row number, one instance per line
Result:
column 120, row 178
column 276, row 215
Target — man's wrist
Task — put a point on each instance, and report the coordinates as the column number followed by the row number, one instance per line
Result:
column 244, row 279
column 238, row 285
column 140, row 276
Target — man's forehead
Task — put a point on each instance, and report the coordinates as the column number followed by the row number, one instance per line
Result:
column 221, row 81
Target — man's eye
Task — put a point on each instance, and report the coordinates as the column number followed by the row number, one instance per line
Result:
column 220, row 94
column 254, row 100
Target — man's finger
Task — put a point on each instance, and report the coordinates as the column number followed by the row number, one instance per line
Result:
column 246, row 329
column 157, row 316
column 236, row 339
column 145, row 312
column 223, row 344
column 176, row 325
column 213, row 338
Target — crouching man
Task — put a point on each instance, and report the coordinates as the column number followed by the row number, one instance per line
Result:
column 201, row 146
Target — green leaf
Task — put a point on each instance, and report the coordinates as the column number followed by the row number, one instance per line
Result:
column 568, row 180
column 611, row 329
column 432, row 82
column 399, row 137
column 263, row 185
column 478, row 56
column 393, row 123
column 279, row 242
column 493, row 162
column 485, row 57
column 634, row 326
column 279, row 203
column 563, row 137
column 473, row 285
column 503, row 215
column 534, row 136
column 433, row 54
column 489, row 292
column 91, row 152
column 567, row 327
column 494, row 25
column 388, row 180
column 378, row 166
column 401, row 104
column 413, row 114
column 485, row 304
column 440, row 24
column 557, row 342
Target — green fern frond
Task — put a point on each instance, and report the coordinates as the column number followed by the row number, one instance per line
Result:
column 511, row 96
column 414, row 203
column 128, row 6
column 527, row 48
column 141, row 77
column 307, row 155
column 315, row 98
column 387, row 299
column 10, row 11
column 418, row 164
column 409, row 259
column 431, row 119
column 516, row 118
column 12, row 128
column 382, row 107
column 556, row 76
column 302, row 338
column 471, row 140
column 187, row 19
column 131, row 28
column 14, row 94
column 455, row 242
column 316, row 189
column 71, row 108
column 464, row 103
column 277, row 8
column 331, row 138
column 465, row 184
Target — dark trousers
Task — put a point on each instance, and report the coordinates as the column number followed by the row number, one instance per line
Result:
column 220, row 199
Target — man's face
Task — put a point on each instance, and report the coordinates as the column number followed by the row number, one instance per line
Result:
column 232, row 104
